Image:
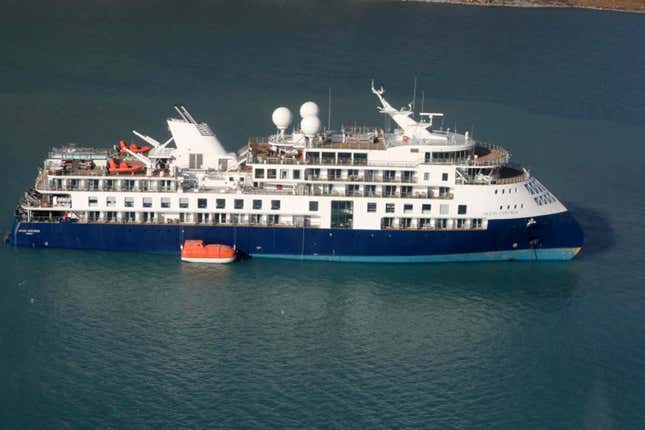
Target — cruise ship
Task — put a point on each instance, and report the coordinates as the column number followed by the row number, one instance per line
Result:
column 415, row 192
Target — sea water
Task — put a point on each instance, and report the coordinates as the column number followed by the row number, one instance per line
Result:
column 96, row 339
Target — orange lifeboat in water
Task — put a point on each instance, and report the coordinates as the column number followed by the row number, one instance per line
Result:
column 195, row 251
column 133, row 147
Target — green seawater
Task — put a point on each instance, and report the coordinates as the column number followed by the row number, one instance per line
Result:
column 108, row 340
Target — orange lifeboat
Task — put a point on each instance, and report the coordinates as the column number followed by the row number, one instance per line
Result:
column 195, row 251
column 123, row 167
column 133, row 147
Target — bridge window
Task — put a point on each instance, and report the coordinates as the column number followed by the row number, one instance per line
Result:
column 238, row 204
column 201, row 203
column 257, row 204
column 220, row 203
column 461, row 209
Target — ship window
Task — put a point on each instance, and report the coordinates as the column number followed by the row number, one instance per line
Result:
column 407, row 208
column 147, row 202
column 296, row 174
column 92, row 201
column 389, row 175
column 284, row 174
column 342, row 214
column 360, row 159
column 271, row 173
column 257, row 204
column 495, row 191
column 414, row 150
column 275, row 205
column 313, row 206
column 259, row 173
column 129, row 202
column 273, row 219
column 371, row 207
column 425, row 208
column 201, row 203
column 344, row 158
column 476, row 223
column 444, row 176
column 405, row 222
column 424, row 222
column 165, row 202
column 443, row 209
column 461, row 210
column 238, row 204
column 503, row 190
column 195, row 161
column 220, row 203
column 328, row 158
column 389, row 207
column 428, row 157
column 387, row 222
column 183, row 202
column 426, row 176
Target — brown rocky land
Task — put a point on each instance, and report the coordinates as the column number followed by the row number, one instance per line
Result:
column 625, row 5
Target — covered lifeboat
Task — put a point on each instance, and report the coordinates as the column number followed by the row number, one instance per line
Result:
column 133, row 148
column 115, row 167
column 195, row 251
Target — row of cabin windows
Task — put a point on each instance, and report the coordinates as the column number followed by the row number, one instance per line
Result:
column 440, row 223
column 273, row 174
column 202, row 203
column 508, row 207
column 359, row 158
column 409, row 208
column 445, row 156
column 510, row 190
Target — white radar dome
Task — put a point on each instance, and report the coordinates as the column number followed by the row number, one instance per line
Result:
column 309, row 109
column 310, row 125
column 282, row 118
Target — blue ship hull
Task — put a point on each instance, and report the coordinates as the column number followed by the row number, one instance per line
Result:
column 552, row 237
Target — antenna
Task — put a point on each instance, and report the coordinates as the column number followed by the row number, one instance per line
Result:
column 423, row 99
column 329, row 111
column 414, row 94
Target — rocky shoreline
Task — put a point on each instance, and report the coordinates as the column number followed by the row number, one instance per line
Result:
column 612, row 5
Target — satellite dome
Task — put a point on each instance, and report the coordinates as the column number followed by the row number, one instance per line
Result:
column 309, row 109
column 310, row 125
column 282, row 118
